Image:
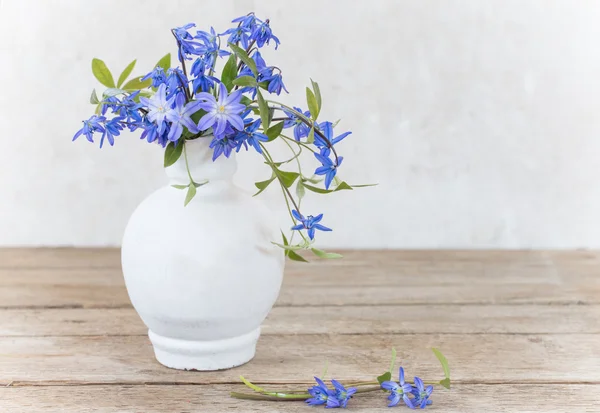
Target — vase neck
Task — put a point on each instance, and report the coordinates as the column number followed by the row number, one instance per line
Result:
column 201, row 165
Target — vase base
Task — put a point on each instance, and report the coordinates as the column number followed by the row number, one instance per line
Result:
column 204, row 355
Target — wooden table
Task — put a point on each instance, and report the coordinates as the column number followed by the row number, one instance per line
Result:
column 521, row 331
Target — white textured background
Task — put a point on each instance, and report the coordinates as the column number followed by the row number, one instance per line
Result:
column 479, row 119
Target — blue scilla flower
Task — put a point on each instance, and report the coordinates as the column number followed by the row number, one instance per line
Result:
column 326, row 128
column 342, row 395
column 247, row 22
column 250, row 136
column 320, row 393
column 180, row 117
column 309, row 223
column 158, row 106
column 263, row 34
column 112, row 103
column 300, row 128
column 222, row 112
column 187, row 45
column 211, row 46
column 93, row 124
column 202, row 82
column 151, row 133
column 129, row 110
column 421, row 393
column 398, row 391
column 176, row 81
column 112, row 128
column 275, row 83
column 222, row 146
column 329, row 167
column 237, row 35
column 157, row 75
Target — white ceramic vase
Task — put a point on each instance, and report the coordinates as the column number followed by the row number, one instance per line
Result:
column 202, row 277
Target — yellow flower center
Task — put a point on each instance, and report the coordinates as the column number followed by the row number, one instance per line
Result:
column 221, row 109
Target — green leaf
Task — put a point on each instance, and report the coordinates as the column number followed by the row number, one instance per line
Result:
column 295, row 257
column 264, row 110
column 191, row 193
column 274, row 131
column 137, row 84
column 241, row 53
column 245, row 100
column 445, row 383
column 244, row 81
column 198, row 185
column 165, row 62
column 300, row 191
column 327, row 255
column 262, row 185
column 196, row 116
column 340, row 187
column 363, row 185
column 102, row 73
column 172, row 153
column 387, row 376
column 251, row 385
column 445, row 366
column 287, row 178
column 311, row 135
column 112, row 92
column 94, row 98
column 285, row 241
column 313, row 106
column 229, row 72
column 317, row 90
column 393, row 362
column 123, row 76
column 180, row 186
column 288, row 247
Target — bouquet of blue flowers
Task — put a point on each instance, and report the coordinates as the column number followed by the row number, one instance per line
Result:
column 234, row 110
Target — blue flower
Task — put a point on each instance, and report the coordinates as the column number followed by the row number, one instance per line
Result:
column 151, row 133
column 246, row 22
column 157, row 75
column 158, row 106
column 211, row 49
column 112, row 128
column 421, row 393
column 342, row 395
column 180, row 116
column 176, row 81
column 202, row 82
column 111, row 102
column 329, row 167
column 238, row 35
column 222, row 145
column 309, row 223
column 275, row 83
column 250, row 136
column 93, row 124
column 326, row 129
column 226, row 110
column 187, row 46
column 300, row 128
column 320, row 393
column 398, row 391
column 262, row 34
column 129, row 110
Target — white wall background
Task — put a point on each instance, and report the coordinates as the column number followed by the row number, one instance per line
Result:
column 478, row 118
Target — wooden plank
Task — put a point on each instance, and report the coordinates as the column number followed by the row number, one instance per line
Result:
column 362, row 278
column 500, row 398
column 573, row 358
column 110, row 257
column 397, row 319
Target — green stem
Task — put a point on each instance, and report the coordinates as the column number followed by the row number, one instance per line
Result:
column 187, row 165
column 298, row 143
column 273, row 396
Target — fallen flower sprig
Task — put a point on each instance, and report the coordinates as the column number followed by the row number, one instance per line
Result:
column 414, row 394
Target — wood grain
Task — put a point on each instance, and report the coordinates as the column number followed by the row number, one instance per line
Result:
column 362, row 278
column 215, row 399
column 395, row 319
column 573, row 358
